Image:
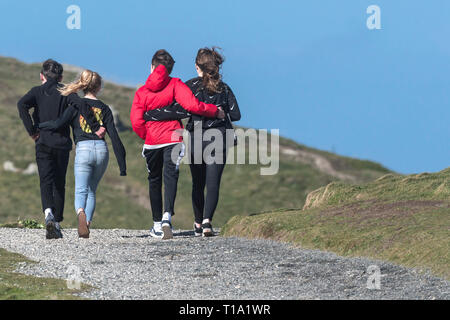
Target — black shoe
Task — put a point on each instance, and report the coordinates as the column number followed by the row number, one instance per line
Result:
column 51, row 230
column 59, row 234
column 207, row 230
column 197, row 231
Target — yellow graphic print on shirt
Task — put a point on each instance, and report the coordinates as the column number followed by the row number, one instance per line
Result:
column 98, row 115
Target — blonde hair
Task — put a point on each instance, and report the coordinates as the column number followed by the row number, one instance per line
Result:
column 89, row 82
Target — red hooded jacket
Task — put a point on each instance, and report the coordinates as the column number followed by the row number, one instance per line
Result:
column 159, row 91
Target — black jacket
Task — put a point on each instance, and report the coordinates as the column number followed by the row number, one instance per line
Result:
column 225, row 99
column 49, row 104
column 82, row 131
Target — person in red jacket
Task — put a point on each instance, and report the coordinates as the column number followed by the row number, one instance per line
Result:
column 162, row 139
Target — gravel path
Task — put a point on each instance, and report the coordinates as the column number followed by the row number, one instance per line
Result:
column 128, row 264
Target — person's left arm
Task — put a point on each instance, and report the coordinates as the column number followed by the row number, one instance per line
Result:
column 233, row 106
column 119, row 149
column 138, row 109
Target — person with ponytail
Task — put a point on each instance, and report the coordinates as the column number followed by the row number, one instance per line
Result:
column 208, row 87
column 92, row 155
column 52, row 148
column 163, row 144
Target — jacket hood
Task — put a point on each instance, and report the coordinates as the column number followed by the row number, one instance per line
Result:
column 158, row 79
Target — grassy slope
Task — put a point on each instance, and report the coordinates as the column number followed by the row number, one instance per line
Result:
column 123, row 202
column 16, row 286
column 405, row 220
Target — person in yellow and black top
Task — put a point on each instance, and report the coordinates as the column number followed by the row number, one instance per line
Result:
column 92, row 154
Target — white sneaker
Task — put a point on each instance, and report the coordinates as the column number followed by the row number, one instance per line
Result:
column 156, row 234
column 156, row 231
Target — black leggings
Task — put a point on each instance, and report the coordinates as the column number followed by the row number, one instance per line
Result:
column 209, row 176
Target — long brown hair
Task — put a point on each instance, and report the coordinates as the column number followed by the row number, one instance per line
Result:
column 89, row 82
column 209, row 61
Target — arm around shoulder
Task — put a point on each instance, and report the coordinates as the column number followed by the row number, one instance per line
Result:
column 87, row 113
column 185, row 97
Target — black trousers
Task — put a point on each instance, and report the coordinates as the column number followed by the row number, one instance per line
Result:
column 209, row 176
column 52, row 166
column 161, row 163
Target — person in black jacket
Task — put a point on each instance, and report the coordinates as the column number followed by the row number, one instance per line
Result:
column 92, row 154
column 52, row 147
column 209, row 88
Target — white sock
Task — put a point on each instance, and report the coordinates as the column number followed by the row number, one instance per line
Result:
column 48, row 212
column 167, row 216
column 157, row 225
column 57, row 225
column 206, row 221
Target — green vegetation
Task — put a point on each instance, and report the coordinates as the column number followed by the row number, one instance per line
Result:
column 27, row 224
column 16, row 286
column 405, row 220
column 123, row 202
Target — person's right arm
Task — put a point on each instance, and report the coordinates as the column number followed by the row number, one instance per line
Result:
column 185, row 97
column 66, row 117
column 173, row 112
column 27, row 102
column 87, row 113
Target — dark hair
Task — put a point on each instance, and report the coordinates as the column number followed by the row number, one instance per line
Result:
column 209, row 61
column 164, row 58
column 52, row 70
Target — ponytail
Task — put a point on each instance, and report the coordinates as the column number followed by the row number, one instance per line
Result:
column 89, row 82
column 209, row 61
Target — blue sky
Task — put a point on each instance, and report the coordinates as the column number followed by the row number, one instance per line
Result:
column 310, row 68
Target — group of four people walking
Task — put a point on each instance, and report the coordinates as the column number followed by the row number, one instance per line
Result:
column 155, row 115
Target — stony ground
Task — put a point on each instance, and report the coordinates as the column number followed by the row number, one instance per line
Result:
column 128, row 264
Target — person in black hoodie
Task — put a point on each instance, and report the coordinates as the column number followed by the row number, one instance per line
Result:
column 52, row 148
column 92, row 154
column 209, row 88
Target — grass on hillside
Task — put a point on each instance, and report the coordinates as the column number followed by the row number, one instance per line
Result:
column 16, row 286
column 405, row 220
column 424, row 186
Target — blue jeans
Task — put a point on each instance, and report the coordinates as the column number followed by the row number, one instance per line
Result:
column 91, row 161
